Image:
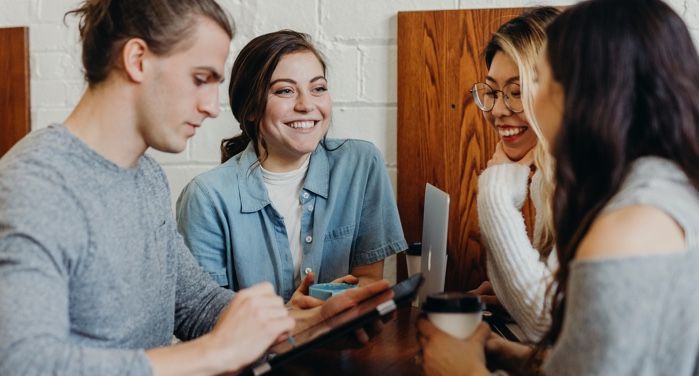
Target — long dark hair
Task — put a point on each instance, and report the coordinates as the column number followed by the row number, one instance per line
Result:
column 105, row 25
column 250, row 78
column 630, row 75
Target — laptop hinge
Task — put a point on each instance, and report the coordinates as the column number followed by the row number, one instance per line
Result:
column 261, row 369
column 386, row 307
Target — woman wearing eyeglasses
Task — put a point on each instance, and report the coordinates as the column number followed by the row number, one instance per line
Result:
column 624, row 136
column 518, row 270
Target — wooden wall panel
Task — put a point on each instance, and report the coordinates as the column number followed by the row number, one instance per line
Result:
column 443, row 138
column 14, row 86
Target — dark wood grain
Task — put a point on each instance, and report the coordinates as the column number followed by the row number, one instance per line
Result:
column 14, row 86
column 443, row 138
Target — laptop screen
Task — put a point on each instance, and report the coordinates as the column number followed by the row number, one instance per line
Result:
column 435, row 224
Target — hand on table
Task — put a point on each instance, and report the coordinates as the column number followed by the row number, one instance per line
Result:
column 443, row 354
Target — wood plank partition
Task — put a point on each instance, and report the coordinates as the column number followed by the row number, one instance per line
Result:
column 443, row 138
column 14, row 86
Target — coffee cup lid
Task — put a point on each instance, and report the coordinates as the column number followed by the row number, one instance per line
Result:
column 452, row 302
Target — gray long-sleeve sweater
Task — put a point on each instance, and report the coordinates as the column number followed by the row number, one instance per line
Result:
column 92, row 269
column 637, row 315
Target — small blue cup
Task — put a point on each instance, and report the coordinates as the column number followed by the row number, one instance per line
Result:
column 324, row 291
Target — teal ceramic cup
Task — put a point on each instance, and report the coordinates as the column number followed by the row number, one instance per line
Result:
column 324, row 291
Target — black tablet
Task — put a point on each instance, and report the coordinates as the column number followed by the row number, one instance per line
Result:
column 337, row 326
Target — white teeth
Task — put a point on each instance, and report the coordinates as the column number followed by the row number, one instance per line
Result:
column 508, row 132
column 302, row 124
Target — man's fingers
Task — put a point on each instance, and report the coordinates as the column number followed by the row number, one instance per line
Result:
column 263, row 288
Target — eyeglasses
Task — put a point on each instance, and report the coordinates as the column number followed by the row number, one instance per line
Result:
column 485, row 97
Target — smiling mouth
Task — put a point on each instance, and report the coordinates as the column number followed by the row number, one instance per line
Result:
column 308, row 124
column 511, row 131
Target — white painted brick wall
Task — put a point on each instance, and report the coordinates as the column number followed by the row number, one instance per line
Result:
column 358, row 38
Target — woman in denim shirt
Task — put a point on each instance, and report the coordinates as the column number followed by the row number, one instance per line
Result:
column 288, row 205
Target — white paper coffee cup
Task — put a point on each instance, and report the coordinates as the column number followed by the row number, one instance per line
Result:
column 457, row 314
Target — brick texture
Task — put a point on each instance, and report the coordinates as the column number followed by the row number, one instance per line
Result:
column 358, row 37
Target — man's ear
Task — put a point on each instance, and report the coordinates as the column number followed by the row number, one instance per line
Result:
column 133, row 58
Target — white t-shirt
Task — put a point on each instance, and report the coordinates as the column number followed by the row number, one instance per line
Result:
column 284, row 189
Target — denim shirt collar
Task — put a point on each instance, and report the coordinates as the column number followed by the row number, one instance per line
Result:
column 253, row 193
column 318, row 175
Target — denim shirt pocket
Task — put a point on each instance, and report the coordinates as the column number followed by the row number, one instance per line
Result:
column 341, row 232
column 337, row 252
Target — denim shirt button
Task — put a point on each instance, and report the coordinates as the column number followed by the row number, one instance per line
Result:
column 307, row 270
column 309, row 239
column 310, row 207
column 305, row 195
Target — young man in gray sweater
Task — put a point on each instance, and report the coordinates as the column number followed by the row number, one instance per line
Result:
column 94, row 278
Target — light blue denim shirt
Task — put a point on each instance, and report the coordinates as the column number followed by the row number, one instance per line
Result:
column 349, row 219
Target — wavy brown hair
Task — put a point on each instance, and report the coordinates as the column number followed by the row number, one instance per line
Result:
column 630, row 76
column 165, row 26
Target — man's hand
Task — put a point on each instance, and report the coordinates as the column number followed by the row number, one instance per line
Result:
column 252, row 321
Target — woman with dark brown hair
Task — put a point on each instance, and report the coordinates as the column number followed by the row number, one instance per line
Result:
column 617, row 101
column 94, row 277
column 289, row 205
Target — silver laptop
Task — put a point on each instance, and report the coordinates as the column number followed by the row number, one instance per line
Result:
column 435, row 224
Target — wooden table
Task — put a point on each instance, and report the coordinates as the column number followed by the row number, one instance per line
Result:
column 392, row 352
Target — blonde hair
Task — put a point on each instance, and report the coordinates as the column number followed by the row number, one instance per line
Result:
column 522, row 38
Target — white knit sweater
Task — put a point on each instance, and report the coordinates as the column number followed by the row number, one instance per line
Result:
column 517, row 272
